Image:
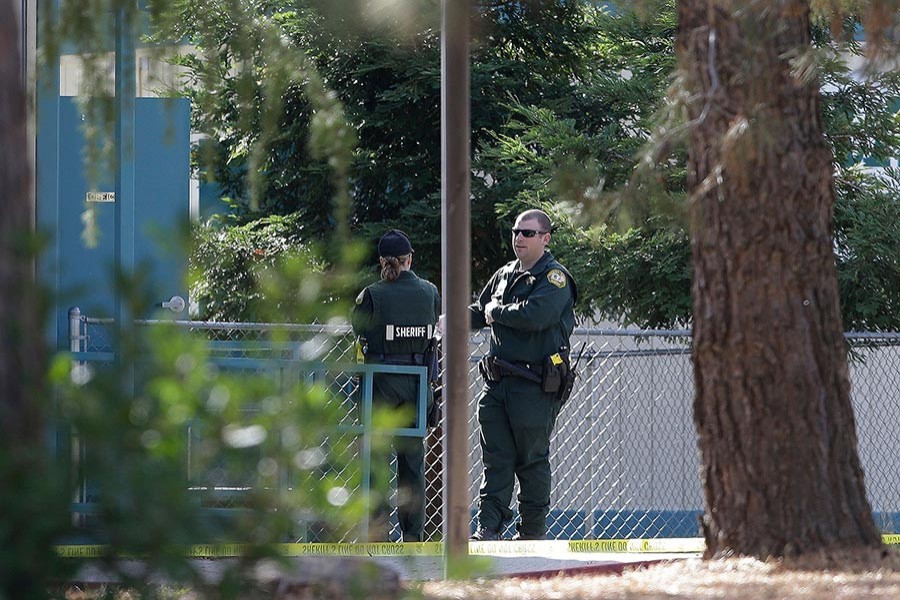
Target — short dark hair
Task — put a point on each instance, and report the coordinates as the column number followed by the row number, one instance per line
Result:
column 539, row 216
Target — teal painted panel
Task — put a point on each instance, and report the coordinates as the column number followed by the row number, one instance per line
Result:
column 162, row 194
column 85, row 273
column 83, row 276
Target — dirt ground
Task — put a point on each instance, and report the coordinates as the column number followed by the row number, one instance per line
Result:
column 876, row 577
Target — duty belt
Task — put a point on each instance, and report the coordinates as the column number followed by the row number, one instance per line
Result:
column 396, row 359
column 494, row 369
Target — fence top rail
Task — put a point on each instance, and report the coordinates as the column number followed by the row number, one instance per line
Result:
column 344, row 328
column 632, row 332
column 227, row 325
column 873, row 335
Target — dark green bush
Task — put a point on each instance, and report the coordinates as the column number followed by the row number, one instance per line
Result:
column 228, row 265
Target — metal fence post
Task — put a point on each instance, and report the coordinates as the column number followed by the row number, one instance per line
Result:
column 75, row 329
column 366, row 450
column 76, row 339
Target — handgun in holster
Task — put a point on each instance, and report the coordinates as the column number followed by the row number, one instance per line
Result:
column 565, row 391
column 435, row 413
column 558, row 377
column 431, row 360
column 489, row 369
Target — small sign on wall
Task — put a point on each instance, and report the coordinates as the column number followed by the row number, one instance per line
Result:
column 100, row 197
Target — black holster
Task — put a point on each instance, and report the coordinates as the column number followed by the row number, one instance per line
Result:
column 565, row 391
column 431, row 361
column 435, row 415
column 558, row 378
column 489, row 369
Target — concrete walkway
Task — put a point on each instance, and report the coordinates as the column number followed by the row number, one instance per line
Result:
column 424, row 562
column 421, row 568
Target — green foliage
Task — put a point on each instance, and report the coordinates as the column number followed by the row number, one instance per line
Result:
column 636, row 268
column 245, row 66
column 229, row 264
column 640, row 276
column 867, row 235
column 553, row 62
column 34, row 504
column 158, row 423
column 165, row 422
column 175, row 413
column 565, row 97
column 860, row 114
column 562, row 96
column 575, row 163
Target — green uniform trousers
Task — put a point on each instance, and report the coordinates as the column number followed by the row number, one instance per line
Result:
column 399, row 392
column 517, row 420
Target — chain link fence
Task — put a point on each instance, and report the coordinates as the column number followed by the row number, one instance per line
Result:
column 624, row 455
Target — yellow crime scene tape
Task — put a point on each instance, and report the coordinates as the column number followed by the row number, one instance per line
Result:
column 499, row 548
column 504, row 548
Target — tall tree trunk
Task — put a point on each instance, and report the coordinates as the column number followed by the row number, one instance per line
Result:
column 781, row 474
column 32, row 499
column 20, row 333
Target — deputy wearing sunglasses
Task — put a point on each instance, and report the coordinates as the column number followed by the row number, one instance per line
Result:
column 528, row 304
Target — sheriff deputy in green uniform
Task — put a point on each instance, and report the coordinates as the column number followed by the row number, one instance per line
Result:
column 528, row 304
column 396, row 317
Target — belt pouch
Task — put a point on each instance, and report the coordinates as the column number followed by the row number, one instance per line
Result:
column 551, row 376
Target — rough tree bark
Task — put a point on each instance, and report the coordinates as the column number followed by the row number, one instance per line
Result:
column 31, row 504
column 781, row 473
column 20, row 333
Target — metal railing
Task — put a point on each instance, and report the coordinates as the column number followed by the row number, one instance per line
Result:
column 624, row 454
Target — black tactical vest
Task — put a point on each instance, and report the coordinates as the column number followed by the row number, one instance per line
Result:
column 403, row 316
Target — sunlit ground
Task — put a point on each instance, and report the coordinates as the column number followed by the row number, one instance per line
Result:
column 738, row 579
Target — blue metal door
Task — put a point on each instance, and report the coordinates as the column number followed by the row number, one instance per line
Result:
column 84, row 276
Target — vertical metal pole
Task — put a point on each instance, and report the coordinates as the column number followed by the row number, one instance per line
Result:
column 366, row 382
column 455, row 258
column 75, row 336
column 76, row 339
column 47, row 172
column 124, row 189
column 124, row 141
column 29, row 66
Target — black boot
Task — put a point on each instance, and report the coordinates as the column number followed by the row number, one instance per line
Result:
column 482, row 534
column 524, row 537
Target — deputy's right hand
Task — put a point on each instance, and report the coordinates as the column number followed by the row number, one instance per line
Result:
column 488, row 309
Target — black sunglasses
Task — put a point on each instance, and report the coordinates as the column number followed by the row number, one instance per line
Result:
column 529, row 233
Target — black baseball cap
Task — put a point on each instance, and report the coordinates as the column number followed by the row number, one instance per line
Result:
column 394, row 243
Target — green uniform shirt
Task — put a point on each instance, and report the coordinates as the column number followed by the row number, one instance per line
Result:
column 535, row 316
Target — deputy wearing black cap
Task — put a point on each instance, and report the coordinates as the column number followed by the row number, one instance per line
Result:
column 397, row 317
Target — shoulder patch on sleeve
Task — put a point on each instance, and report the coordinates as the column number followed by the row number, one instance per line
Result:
column 359, row 299
column 557, row 278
